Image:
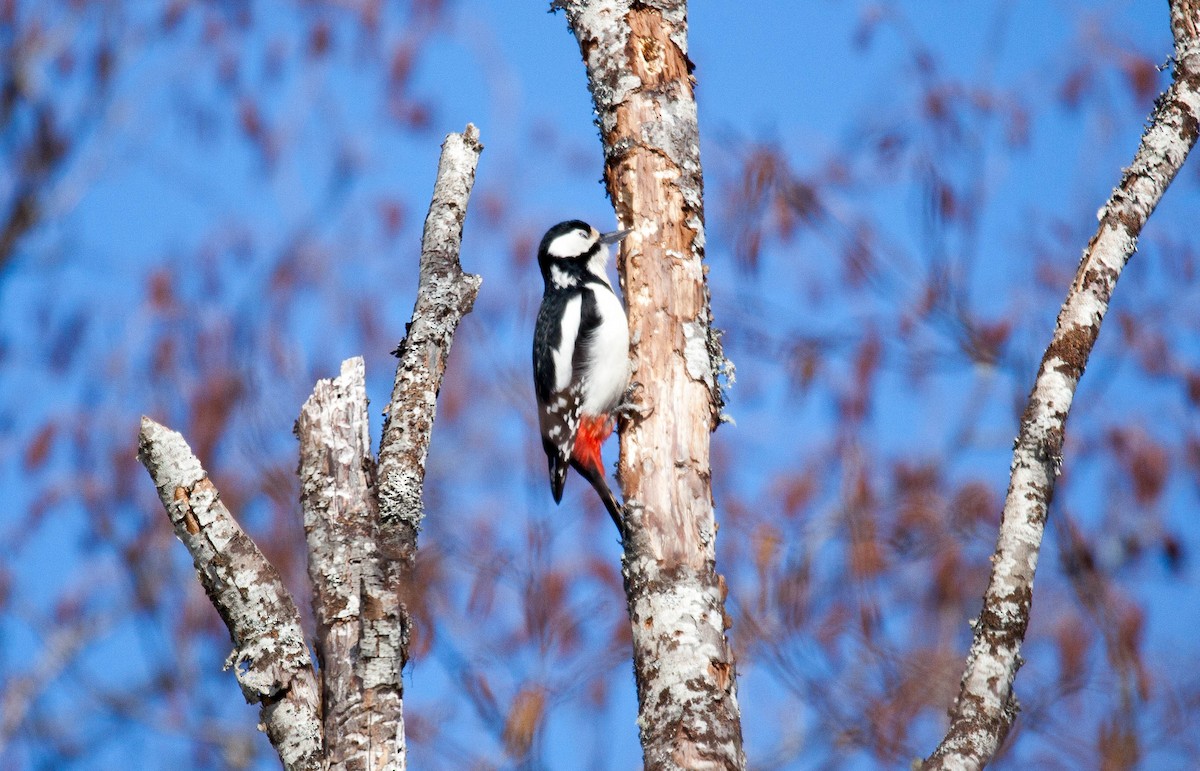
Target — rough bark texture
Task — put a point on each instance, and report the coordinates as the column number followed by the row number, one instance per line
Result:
column 361, row 537
column 641, row 84
column 986, row 706
column 358, row 634
column 445, row 294
column 270, row 657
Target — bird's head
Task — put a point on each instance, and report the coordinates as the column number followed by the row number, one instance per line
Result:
column 572, row 248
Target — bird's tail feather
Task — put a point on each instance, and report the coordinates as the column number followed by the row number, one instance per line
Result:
column 595, row 478
column 558, row 477
column 586, row 459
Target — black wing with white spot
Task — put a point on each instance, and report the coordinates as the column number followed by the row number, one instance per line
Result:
column 555, row 382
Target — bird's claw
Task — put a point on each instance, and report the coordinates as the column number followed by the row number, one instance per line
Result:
column 630, row 408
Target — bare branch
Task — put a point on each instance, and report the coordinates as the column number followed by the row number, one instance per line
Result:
column 358, row 629
column 986, row 706
column 63, row 645
column 641, row 84
column 445, row 294
column 360, row 546
column 363, row 537
column 270, row 658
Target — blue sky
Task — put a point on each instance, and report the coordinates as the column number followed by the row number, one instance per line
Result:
column 165, row 181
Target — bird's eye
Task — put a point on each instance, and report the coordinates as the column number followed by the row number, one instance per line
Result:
column 582, row 233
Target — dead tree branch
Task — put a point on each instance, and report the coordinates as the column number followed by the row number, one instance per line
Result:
column 62, row 646
column 361, row 537
column 986, row 706
column 270, row 658
column 445, row 294
column 360, row 676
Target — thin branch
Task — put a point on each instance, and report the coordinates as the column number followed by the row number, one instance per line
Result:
column 444, row 295
column 986, row 706
column 22, row 691
column 270, row 658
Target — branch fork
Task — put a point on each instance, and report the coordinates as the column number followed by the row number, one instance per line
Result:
column 361, row 533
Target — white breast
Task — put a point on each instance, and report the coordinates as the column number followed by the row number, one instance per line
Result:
column 606, row 373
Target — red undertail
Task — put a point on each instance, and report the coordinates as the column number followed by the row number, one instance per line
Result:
column 585, row 458
column 588, row 439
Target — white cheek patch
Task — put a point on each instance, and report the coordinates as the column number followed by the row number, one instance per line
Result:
column 570, row 244
column 565, row 352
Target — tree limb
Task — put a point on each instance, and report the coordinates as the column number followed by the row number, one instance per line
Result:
column 270, row 657
column 986, row 706
column 444, row 295
column 61, row 647
column 641, row 84
column 361, row 540
column 377, row 524
column 358, row 630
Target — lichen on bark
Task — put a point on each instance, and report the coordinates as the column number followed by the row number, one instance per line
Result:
column 642, row 87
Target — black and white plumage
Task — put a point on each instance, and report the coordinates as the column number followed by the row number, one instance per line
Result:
column 580, row 355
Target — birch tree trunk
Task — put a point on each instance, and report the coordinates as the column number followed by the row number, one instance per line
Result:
column 986, row 706
column 361, row 536
column 640, row 79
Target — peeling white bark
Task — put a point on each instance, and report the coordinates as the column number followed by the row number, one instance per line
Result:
column 270, row 658
column 358, row 626
column 362, row 540
column 639, row 76
column 444, row 295
column 986, row 706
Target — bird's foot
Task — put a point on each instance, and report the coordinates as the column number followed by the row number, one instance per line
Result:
column 631, row 407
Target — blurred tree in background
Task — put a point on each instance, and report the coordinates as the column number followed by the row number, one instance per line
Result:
column 204, row 207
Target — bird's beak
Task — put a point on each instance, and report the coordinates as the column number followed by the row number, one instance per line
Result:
column 615, row 236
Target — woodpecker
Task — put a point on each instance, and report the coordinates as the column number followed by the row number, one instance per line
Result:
column 580, row 355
